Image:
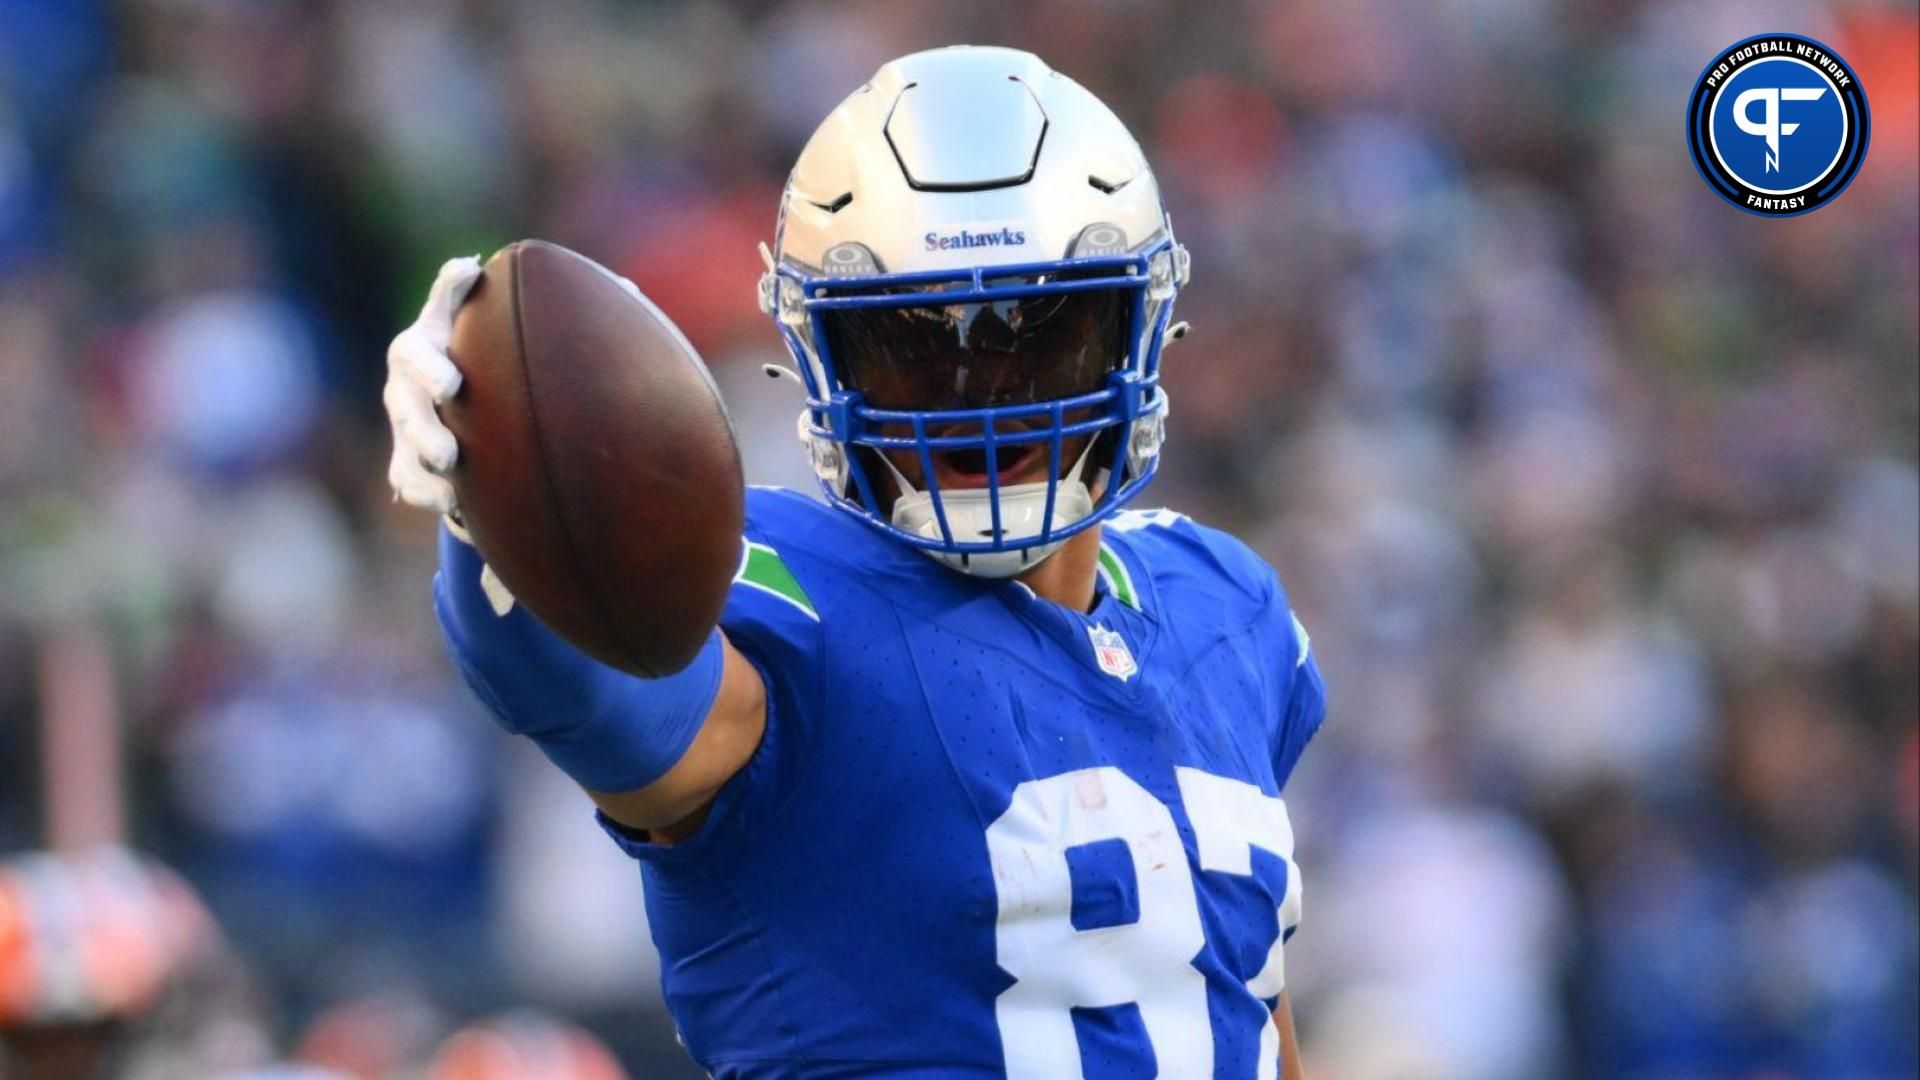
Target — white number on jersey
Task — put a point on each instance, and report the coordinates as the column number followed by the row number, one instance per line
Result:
column 1147, row 962
column 1129, row 520
column 1230, row 818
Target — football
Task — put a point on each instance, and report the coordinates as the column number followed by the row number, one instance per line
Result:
column 598, row 472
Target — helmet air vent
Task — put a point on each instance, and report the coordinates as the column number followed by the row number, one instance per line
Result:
column 837, row 205
column 953, row 134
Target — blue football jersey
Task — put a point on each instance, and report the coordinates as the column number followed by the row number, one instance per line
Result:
column 986, row 835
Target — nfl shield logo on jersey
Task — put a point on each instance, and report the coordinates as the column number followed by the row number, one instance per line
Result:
column 1111, row 650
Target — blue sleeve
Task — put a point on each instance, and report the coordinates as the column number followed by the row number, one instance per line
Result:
column 783, row 595
column 609, row 730
column 1304, row 708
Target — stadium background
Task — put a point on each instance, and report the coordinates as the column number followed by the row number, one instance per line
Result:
column 1598, row 496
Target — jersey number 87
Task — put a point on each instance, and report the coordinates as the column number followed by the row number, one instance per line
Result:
column 1146, row 962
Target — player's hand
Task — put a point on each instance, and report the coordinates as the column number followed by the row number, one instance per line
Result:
column 421, row 377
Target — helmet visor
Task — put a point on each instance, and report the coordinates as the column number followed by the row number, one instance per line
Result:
column 929, row 356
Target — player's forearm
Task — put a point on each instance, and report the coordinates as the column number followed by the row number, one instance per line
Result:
column 671, row 808
column 517, row 666
column 608, row 730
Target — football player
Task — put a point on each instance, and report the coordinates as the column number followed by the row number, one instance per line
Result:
column 980, row 773
column 111, row 969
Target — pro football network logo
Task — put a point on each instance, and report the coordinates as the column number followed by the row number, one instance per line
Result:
column 1778, row 125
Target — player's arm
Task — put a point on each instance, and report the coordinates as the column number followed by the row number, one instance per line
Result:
column 652, row 752
column 672, row 808
column 1289, row 1042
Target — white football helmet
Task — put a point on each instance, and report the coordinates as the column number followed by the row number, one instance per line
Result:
column 975, row 275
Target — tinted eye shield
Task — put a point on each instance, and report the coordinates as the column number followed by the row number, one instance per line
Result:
column 948, row 289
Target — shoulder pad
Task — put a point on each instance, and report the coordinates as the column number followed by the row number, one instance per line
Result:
column 1177, row 550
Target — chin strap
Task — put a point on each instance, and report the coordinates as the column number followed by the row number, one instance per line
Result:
column 969, row 515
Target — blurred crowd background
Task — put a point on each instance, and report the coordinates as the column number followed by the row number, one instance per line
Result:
column 1598, row 496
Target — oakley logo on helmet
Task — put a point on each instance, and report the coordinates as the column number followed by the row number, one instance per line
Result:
column 1778, row 125
column 1001, row 237
column 849, row 260
column 1101, row 238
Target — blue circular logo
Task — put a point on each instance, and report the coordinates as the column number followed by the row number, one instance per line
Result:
column 1778, row 125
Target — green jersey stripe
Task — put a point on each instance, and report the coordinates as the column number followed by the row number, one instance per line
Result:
column 1118, row 578
column 762, row 568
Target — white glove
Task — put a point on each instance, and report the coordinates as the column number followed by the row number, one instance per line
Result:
column 420, row 376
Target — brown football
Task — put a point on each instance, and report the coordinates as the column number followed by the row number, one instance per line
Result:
column 598, row 473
